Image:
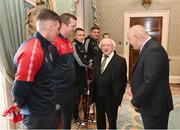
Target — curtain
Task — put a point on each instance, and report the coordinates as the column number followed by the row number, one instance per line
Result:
column 90, row 11
column 66, row 6
column 95, row 15
column 12, row 33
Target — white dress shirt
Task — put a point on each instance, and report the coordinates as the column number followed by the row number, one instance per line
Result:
column 144, row 43
column 107, row 60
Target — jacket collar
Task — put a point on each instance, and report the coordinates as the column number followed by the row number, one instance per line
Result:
column 90, row 37
column 61, row 36
column 43, row 40
column 76, row 41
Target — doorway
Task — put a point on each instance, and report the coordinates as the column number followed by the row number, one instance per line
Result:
column 156, row 23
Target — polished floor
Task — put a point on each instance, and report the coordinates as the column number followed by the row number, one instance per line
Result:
column 129, row 119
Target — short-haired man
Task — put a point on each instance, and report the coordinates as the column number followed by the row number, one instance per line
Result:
column 64, row 71
column 32, row 90
column 106, row 35
column 81, row 63
column 91, row 43
column 92, row 50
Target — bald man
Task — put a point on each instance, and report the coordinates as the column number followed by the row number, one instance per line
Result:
column 32, row 89
column 151, row 94
column 109, row 82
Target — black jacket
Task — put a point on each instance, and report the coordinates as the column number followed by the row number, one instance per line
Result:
column 34, row 94
column 63, row 71
column 112, row 82
column 81, row 61
column 150, row 80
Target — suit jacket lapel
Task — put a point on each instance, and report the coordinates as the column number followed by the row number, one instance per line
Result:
column 109, row 64
column 99, row 65
column 142, row 51
column 137, row 60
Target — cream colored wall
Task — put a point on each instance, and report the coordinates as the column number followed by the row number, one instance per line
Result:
column 111, row 20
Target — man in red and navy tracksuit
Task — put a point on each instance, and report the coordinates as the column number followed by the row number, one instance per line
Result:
column 32, row 90
column 64, row 72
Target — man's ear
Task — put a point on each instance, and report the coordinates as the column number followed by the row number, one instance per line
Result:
column 51, row 27
column 63, row 24
column 135, row 35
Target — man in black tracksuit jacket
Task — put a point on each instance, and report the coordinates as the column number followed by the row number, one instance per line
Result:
column 81, row 63
column 91, row 43
column 92, row 50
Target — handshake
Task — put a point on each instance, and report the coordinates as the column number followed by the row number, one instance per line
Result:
column 90, row 64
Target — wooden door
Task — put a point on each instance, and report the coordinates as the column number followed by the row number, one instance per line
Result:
column 154, row 28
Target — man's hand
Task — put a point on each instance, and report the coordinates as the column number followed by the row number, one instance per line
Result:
column 90, row 65
column 129, row 91
column 134, row 107
column 16, row 108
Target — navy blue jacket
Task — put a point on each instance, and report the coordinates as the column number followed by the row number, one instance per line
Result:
column 32, row 90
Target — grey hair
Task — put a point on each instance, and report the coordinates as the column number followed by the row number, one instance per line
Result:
column 110, row 40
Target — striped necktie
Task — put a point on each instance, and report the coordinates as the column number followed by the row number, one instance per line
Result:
column 103, row 63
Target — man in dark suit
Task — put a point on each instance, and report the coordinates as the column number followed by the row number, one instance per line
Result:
column 151, row 94
column 109, row 81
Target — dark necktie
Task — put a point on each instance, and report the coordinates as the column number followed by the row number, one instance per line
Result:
column 103, row 63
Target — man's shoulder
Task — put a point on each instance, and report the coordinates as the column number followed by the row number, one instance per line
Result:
column 89, row 39
column 63, row 46
column 31, row 40
column 29, row 49
column 119, row 57
column 155, row 47
column 58, row 40
column 31, row 44
column 61, row 42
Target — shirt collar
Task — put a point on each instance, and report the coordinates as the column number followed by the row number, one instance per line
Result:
column 145, row 43
column 61, row 36
column 110, row 55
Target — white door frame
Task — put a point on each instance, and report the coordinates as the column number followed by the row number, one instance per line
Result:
column 145, row 13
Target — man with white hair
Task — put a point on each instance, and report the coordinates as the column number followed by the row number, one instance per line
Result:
column 151, row 94
column 109, row 82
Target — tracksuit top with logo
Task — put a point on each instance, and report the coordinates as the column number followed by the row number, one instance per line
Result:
column 32, row 89
column 64, row 70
